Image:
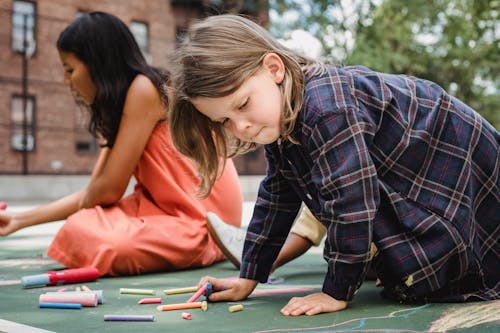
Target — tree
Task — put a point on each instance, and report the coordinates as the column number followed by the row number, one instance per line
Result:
column 454, row 43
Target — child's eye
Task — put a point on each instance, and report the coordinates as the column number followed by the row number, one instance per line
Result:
column 245, row 103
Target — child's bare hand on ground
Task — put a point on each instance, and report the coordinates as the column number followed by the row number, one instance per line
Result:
column 229, row 289
column 312, row 304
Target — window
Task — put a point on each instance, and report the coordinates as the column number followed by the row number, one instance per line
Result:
column 18, row 141
column 85, row 143
column 140, row 30
column 23, row 12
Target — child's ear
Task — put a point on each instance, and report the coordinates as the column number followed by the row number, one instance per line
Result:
column 275, row 66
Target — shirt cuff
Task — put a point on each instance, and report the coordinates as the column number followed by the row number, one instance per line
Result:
column 341, row 291
column 252, row 271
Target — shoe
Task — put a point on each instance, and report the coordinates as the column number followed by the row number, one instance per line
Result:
column 228, row 238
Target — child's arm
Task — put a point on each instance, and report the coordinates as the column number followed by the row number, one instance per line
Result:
column 228, row 289
column 54, row 211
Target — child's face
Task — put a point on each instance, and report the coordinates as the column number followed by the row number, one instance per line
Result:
column 253, row 112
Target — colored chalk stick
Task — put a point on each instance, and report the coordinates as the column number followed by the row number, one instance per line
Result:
column 98, row 293
column 83, row 298
column 180, row 306
column 129, row 318
column 151, row 300
column 184, row 290
column 55, row 305
column 137, row 291
column 236, row 308
column 186, row 315
column 199, row 292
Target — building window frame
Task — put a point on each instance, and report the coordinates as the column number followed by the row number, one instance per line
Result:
column 19, row 9
column 85, row 143
column 140, row 31
column 17, row 123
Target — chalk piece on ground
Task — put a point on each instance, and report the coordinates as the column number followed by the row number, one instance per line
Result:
column 150, row 300
column 137, row 291
column 187, row 316
column 236, row 308
column 54, row 305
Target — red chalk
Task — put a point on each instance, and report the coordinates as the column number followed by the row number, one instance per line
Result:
column 150, row 300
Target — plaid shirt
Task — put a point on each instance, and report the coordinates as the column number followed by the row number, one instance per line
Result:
column 393, row 160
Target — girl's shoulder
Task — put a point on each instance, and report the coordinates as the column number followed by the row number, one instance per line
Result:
column 143, row 88
column 143, row 97
column 142, row 83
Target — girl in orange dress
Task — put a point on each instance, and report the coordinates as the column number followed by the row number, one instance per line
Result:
column 161, row 225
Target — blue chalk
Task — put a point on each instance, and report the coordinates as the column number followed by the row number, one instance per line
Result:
column 33, row 281
column 208, row 290
column 51, row 305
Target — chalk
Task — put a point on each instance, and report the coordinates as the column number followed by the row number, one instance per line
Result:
column 151, row 300
column 85, row 288
column 186, row 315
column 198, row 293
column 129, row 318
column 184, row 290
column 208, row 291
column 180, row 306
column 54, row 305
column 236, row 308
column 65, row 276
column 83, row 298
column 3, row 205
column 98, row 293
column 137, row 291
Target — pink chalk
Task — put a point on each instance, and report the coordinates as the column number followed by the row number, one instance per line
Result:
column 83, row 298
column 3, row 205
column 150, row 300
column 186, row 315
column 197, row 294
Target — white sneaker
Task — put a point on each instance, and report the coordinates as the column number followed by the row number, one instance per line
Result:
column 228, row 238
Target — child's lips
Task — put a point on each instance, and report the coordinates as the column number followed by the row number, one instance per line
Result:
column 252, row 138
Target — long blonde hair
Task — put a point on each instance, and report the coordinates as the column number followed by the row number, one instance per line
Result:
column 218, row 54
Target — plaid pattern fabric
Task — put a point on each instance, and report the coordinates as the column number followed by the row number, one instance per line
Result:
column 395, row 160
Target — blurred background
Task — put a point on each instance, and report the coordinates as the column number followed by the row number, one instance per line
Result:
column 455, row 43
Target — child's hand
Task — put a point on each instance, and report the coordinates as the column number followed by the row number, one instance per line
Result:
column 229, row 289
column 312, row 304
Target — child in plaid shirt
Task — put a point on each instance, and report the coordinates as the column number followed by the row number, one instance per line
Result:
column 389, row 159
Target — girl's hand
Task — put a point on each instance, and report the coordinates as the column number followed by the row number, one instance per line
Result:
column 8, row 224
column 229, row 289
column 312, row 304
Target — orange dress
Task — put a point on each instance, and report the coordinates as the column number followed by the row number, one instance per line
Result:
column 161, row 226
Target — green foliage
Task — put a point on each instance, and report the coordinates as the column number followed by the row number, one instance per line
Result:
column 455, row 43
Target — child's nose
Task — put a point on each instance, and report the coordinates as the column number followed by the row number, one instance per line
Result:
column 241, row 127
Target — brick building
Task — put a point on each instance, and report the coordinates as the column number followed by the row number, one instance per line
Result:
column 42, row 130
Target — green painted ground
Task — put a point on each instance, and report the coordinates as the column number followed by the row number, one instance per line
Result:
column 367, row 313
